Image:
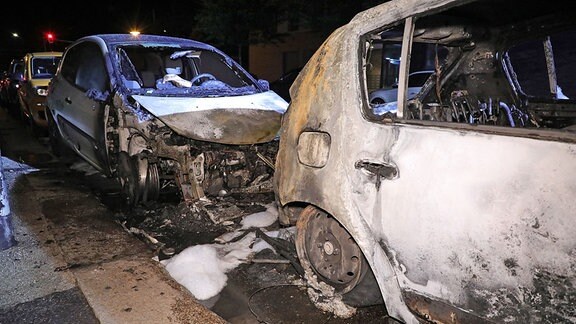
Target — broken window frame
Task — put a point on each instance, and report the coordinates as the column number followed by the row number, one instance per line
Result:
column 550, row 64
column 406, row 112
column 405, row 56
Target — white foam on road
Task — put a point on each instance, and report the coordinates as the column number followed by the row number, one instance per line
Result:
column 202, row 268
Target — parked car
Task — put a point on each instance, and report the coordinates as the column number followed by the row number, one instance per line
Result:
column 161, row 113
column 387, row 95
column 459, row 206
column 39, row 68
column 9, row 85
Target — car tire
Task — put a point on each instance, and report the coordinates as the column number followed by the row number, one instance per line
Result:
column 326, row 248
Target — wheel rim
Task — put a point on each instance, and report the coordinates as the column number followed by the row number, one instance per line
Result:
column 152, row 184
column 324, row 246
column 140, row 180
column 128, row 179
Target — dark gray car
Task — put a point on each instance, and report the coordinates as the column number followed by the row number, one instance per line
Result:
column 10, row 83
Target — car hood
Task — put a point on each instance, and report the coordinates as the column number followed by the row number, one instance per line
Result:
column 247, row 119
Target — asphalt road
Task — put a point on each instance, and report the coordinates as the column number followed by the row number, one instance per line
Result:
column 66, row 258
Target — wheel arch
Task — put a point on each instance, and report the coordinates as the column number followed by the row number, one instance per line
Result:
column 374, row 252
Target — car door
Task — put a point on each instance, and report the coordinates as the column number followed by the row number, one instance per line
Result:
column 470, row 207
column 78, row 97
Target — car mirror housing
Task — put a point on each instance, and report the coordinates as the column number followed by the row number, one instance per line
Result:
column 264, row 84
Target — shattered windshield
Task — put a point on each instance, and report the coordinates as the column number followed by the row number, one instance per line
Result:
column 181, row 72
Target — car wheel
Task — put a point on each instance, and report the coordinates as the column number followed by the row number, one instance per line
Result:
column 325, row 247
column 139, row 180
column 377, row 101
column 148, row 187
column 128, row 177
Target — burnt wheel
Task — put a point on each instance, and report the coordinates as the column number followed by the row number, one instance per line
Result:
column 325, row 247
column 152, row 183
column 129, row 181
column 140, row 180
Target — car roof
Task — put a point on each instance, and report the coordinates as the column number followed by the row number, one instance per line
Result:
column 152, row 40
column 50, row 54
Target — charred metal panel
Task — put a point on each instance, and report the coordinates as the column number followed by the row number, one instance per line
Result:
column 480, row 219
column 457, row 220
column 238, row 126
column 434, row 311
column 228, row 120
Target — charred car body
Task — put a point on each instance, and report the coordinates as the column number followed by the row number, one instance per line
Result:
column 456, row 204
column 160, row 112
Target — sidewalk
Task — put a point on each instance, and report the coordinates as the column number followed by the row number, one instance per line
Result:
column 64, row 261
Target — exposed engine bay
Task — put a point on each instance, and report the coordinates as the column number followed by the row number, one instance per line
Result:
column 153, row 160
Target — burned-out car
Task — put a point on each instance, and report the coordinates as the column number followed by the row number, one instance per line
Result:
column 162, row 113
column 456, row 204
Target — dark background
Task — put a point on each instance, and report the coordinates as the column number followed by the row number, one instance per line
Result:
column 229, row 25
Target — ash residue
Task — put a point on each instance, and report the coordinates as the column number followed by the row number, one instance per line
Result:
column 553, row 298
column 511, row 264
column 550, row 300
column 180, row 225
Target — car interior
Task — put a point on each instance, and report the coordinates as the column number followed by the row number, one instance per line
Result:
column 513, row 70
column 144, row 67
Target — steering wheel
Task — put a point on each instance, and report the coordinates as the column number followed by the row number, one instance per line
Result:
column 201, row 78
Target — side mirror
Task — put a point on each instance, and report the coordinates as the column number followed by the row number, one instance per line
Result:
column 264, row 84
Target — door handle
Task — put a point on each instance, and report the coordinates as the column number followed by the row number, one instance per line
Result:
column 382, row 170
column 68, row 100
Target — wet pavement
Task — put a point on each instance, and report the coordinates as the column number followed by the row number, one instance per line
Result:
column 6, row 231
column 64, row 257
column 80, row 211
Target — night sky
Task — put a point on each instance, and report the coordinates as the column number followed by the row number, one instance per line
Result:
column 71, row 21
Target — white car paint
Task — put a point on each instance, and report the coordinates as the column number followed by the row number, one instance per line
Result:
column 478, row 217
